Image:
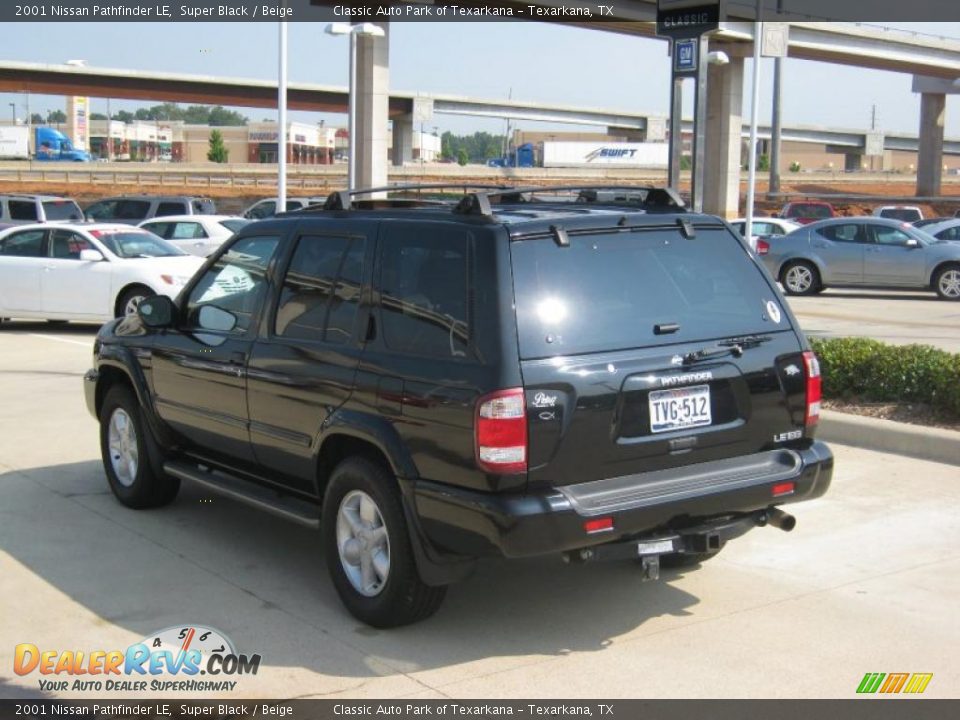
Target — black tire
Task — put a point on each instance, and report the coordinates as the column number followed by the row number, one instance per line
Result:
column 134, row 295
column 685, row 560
column 147, row 486
column 945, row 282
column 402, row 597
column 800, row 277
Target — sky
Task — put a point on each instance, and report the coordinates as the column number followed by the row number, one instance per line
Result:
column 533, row 61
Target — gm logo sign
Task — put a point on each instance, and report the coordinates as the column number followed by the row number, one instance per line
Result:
column 685, row 55
column 892, row 683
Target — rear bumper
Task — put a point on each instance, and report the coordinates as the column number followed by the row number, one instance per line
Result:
column 474, row 523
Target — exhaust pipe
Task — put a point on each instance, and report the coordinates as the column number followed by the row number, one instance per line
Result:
column 779, row 519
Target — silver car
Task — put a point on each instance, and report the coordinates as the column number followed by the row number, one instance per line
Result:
column 862, row 252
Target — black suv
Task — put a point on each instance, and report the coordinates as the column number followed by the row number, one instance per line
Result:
column 507, row 372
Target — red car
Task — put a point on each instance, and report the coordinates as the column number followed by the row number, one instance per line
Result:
column 807, row 211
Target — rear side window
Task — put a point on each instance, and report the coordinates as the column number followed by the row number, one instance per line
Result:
column 321, row 289
column 28, row 243
column 609, row 291
column 845, row 233
column 131, row 210
column 163, row 229
column 62, row 210
column 22, row 210
column 204, row 207
column 171, row 208
column 424, row 301
column 103, row 210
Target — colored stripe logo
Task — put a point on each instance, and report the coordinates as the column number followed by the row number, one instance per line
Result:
column 892, row 683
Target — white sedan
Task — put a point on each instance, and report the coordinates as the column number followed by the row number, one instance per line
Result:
column 89, row 272
column 195, row 234
column 764, row 227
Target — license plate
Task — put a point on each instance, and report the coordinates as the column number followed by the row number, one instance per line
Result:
column 679, row 408
column 656, row 547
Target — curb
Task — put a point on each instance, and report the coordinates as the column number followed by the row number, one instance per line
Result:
column 916, row 441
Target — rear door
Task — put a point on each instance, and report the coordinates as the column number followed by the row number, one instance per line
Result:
column 72, row 286
column 841, row 248
column 609, row 327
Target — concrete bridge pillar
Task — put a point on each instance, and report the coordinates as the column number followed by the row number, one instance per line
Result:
column 930, row 156
column 373, row 105
column 402, row 139
column 721, row 186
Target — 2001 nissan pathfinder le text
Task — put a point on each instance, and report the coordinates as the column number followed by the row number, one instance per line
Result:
column 495, row 371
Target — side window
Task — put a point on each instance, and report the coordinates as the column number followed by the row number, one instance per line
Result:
column 66, row 244
column 131, row 209
column 28, row 243
column 236, row 282
column 949, row 234
column 104, row 210
column 171, row 208
column 424, row 291
column 845, row 233
column 163, row 229
column 294, row 205
column 187, row 231
column 889, row 236
column 321, row 289
column 22, row 210
column 262, row 210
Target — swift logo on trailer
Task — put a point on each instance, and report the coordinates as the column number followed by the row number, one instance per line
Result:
column 609, row 152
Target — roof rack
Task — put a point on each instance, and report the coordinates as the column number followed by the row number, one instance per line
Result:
column 343, row 199
column 662, row 198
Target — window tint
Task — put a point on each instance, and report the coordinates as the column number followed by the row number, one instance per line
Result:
column 234, row 224
column 847, row 232
column 262, row 210
column 170, row 208
column 131, row 209
column 608, row 291
column 28, row 243
column 22, row 209
column 898, row 213
column 236, row 282
column 294, row 204
column 61, row 210
column 889, row 236
column 424, row 300
column 66, row 244
column 204, row 207
column 952, row 233
column 321, row 289
column 808, row 210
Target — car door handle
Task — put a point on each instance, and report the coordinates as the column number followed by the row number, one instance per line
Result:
column 238, row 358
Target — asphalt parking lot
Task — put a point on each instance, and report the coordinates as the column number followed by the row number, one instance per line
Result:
column 866, row 583
column 895, row 317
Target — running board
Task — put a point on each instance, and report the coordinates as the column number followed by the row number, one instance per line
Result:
column 286, row 507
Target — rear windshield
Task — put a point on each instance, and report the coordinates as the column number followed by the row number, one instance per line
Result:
column 608, row 291
column 809, row 210
column 906, row 214
column 62, row 210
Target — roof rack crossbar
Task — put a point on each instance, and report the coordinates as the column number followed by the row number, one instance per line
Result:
column 341, row 199
column 479, row 203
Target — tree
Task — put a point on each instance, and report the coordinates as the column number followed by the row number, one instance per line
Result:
column 97, row 116
column 36, row 119
column 462, row 158
column 56, row 116
column 218, row 151
column 220, row 116
column 124, row 116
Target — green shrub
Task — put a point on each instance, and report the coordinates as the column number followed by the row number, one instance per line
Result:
column 872, row 370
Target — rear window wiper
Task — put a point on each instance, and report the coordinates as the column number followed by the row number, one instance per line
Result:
column 731, row 346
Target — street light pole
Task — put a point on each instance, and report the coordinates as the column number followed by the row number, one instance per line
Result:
column 282, row 123
column 13, row 113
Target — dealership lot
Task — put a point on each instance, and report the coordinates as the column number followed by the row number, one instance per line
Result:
column 896, row 317
column 866, row 583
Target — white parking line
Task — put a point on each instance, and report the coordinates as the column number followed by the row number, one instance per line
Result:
column 60, row 339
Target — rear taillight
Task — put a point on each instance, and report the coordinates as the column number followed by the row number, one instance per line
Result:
column 501, row 432
column 811, row 368
column 763, row 247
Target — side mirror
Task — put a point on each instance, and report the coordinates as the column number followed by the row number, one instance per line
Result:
column 913, row 243
column 90, row 255
column 211, row 317
column 157, row 311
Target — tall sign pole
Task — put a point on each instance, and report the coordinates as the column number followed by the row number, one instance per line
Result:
column 688, row 24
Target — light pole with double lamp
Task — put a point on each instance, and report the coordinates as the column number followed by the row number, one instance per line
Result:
column 368, row 30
